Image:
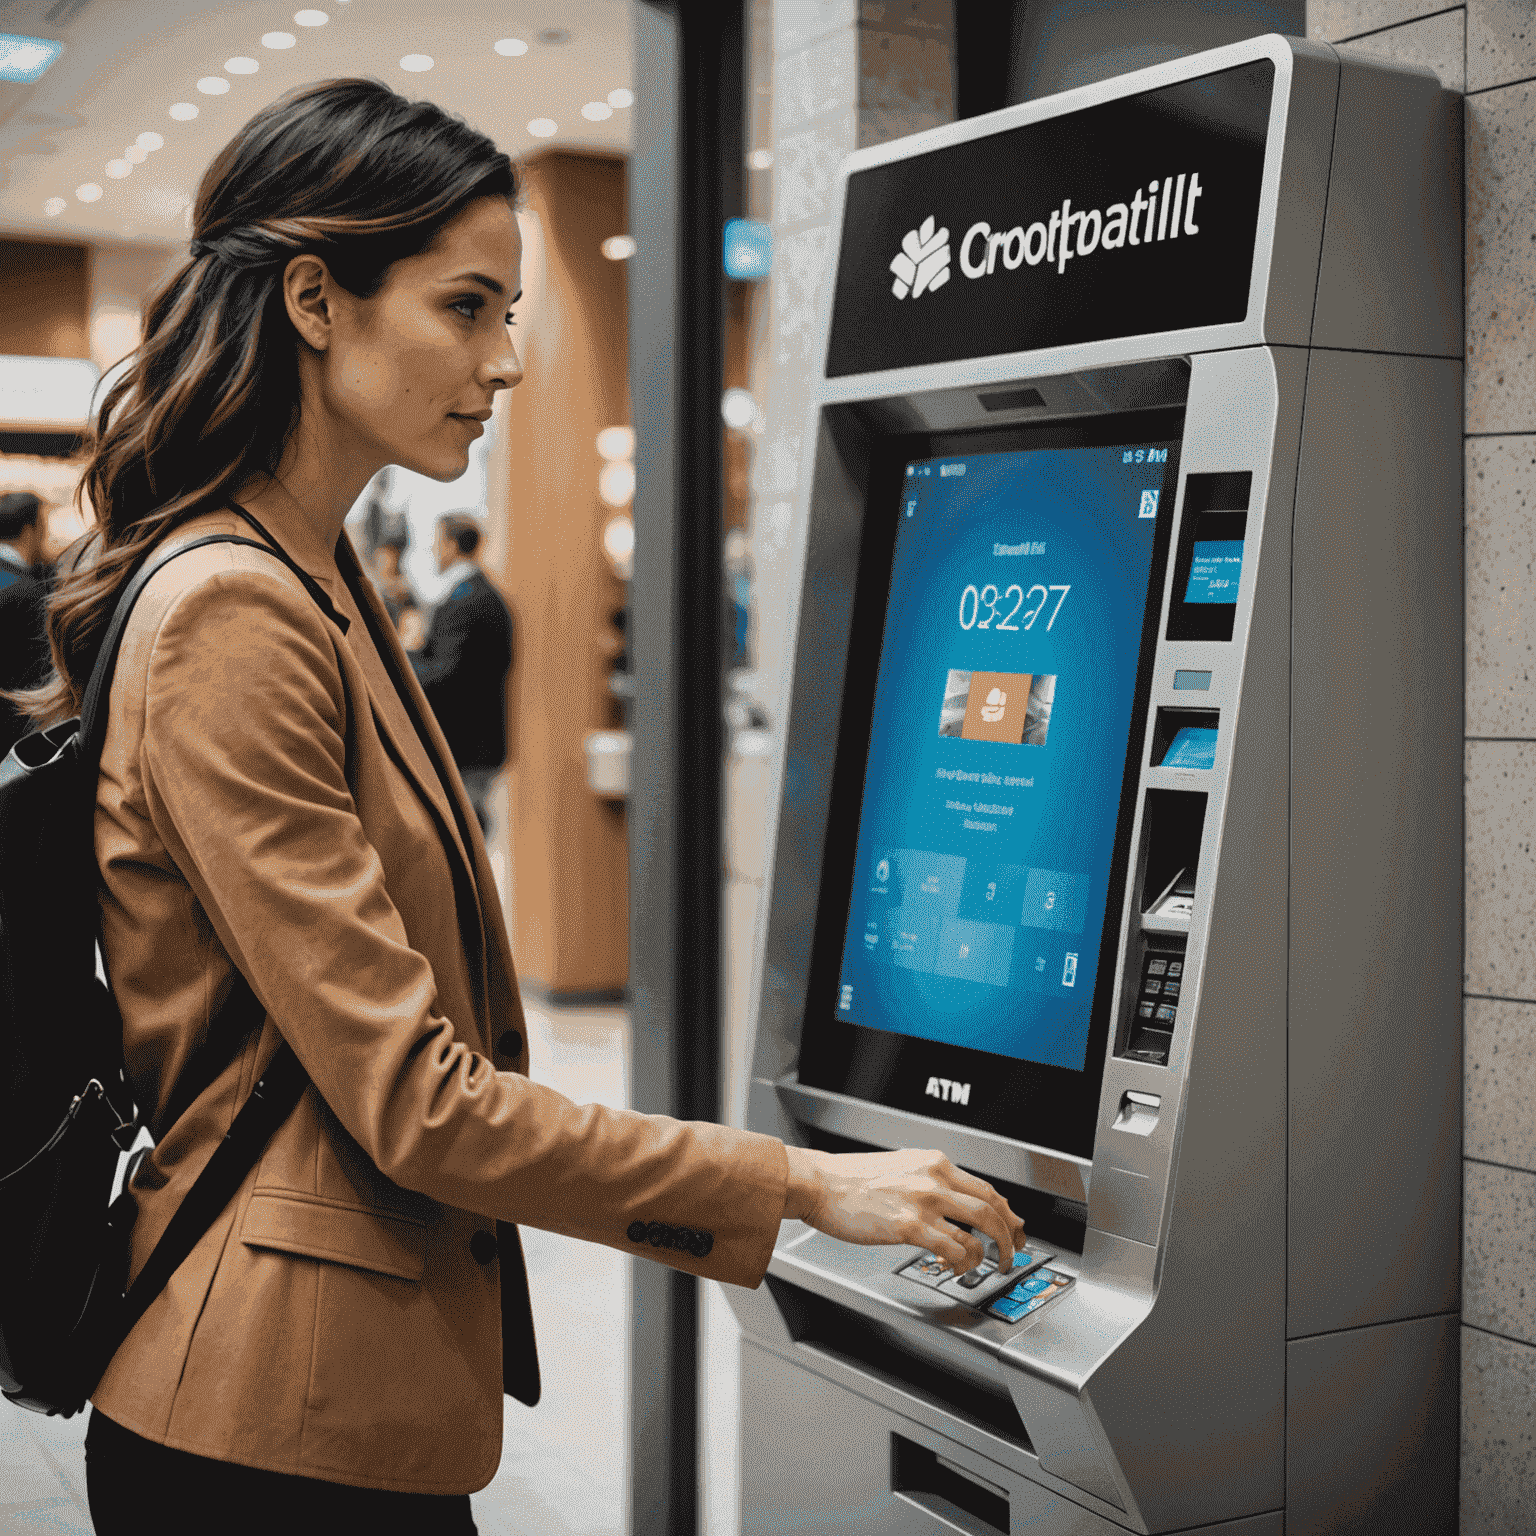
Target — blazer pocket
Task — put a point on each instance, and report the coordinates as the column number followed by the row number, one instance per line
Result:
column 339, row 1234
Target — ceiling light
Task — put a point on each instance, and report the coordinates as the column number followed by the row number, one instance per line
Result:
column 760, row 159
column 311, row 18
column 25, row 58
column 278, row 40
column 117, row 169
column 136, row 154
column 88, row 192
column 616, row 482
column 511, row 47
column 183, row 111
column 240, row 65
column 416, row 63
column 621, row 98
column 54, row 207
column 619, row 247
column 213, row 85
column 543, row 127
column 738, row 409
column 616, row 443
column 596, row 111
column 150, row 140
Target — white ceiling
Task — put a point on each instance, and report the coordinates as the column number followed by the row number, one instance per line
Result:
column 126, row 61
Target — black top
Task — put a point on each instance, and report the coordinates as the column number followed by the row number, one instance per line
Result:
column 463, row 669
column 24, row 657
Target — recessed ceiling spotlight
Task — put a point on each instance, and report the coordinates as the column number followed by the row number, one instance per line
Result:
column 213, row 85
column 54, row 207
column 596, row 111
column 621, row 98
column 117, row 169
column 543, row 127
column 761, row 159
column 278, row 40
column 311, row 18
column 240, row 65
column 25, row 58
column 136, row 154
column 183, row 111
column 416, row 63
column 88, row 192
column 554, row 37
column 619, row 247
column 511, row 47
column 150, row 140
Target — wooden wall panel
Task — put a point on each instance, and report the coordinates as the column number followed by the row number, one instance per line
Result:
column 567, row 854
column 45, row 299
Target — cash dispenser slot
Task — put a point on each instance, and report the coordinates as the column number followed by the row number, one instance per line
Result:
column 944, row 1488
column 1153, row 993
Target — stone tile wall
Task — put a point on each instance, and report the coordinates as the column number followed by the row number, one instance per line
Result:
column 1488, row 48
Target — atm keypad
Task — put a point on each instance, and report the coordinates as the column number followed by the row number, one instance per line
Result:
column 1028, row 1296
column 977, row 1286
column 1157, row 1007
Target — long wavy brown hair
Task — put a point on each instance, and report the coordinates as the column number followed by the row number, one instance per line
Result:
column 348, row 170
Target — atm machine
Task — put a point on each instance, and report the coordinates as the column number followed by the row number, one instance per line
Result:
column 1118, row 848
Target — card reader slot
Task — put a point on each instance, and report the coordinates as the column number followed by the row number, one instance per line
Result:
column 1185, row 738
column 942, row 1487
column 858, row 1342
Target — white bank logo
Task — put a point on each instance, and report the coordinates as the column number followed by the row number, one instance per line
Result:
column 922, row 263
column 1163, row 210
column 951, row 1093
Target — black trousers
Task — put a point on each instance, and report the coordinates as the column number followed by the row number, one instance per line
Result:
column 136, row 1486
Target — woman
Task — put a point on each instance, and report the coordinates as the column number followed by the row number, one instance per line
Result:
column 275, row 804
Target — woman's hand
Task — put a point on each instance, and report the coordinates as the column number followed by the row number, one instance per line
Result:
column 901, row 1197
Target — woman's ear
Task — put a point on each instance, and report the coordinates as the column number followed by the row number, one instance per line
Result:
column 307, row 290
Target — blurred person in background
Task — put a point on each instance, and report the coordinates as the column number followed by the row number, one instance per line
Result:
column 24, row 659
column 287, row 854
column 463, row 664
column 395, row 586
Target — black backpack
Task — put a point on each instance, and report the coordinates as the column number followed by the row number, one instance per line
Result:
column 67, row 1111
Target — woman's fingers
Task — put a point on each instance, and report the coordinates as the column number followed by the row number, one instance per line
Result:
column 969, row 1184
column 960, row 1251
column 982, row 1217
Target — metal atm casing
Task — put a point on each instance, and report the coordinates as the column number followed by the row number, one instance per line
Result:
column 1263, row 1329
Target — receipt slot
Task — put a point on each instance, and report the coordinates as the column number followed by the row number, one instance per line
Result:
column 1119, row 844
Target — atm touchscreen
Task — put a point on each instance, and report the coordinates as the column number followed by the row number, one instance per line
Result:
column 982, row 884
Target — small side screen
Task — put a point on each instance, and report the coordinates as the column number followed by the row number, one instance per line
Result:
column 1208, row 571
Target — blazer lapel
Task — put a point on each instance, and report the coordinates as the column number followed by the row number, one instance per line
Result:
column 395, row 723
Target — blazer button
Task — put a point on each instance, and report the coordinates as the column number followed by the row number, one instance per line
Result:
column 483, row 1247
column 510, row 1043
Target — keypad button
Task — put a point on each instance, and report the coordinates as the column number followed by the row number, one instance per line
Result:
column 1008, row 1309
column 974, row 1278
column 1175, row 967
column 1048, row 1275
column 1145, row 1010
column 1166, row 1015
column 1156, row 967
column 1151, row 988
column 1170, row 989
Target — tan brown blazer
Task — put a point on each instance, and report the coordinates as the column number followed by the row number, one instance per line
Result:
column 266, row 804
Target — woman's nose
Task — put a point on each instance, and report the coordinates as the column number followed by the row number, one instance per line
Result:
column 506, row 370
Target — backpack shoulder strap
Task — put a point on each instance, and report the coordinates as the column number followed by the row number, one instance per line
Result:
column 93, row 711
column 282, row 1084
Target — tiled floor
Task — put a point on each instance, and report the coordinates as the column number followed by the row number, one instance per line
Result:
column 564, row 1464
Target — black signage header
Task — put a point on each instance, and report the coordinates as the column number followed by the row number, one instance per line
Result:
column 1131, row 217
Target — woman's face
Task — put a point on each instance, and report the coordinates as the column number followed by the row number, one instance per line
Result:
column 409, row 374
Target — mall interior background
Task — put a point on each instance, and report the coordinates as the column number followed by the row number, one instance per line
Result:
column 823, row 78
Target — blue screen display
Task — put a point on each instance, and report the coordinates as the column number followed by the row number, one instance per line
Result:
column 997, row 747
column 1214, row 571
